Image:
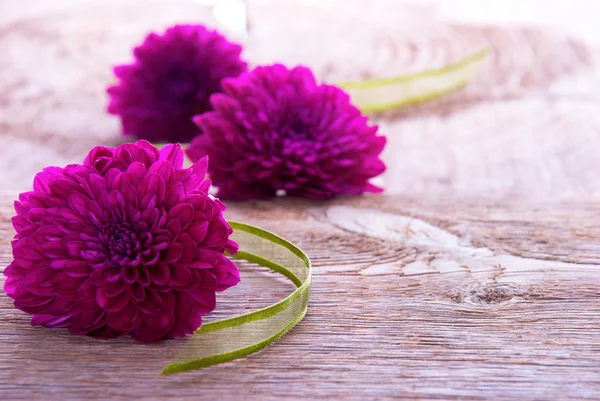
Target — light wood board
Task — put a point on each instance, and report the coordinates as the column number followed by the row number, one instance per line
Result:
column 475, row 276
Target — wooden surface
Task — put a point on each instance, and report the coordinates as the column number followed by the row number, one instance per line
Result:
column 476, row 276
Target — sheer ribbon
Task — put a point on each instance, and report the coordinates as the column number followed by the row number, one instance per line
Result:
column 239, row 336
column 383, row 94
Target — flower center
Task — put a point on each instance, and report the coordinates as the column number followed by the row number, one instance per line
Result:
column 297, row 129
column 127, row 246
column 121, row 240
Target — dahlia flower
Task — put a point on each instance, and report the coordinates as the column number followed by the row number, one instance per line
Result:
column 276, row 129
column 171, row 81
column 129, row 242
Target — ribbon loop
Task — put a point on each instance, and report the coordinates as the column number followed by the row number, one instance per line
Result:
column 236, row 337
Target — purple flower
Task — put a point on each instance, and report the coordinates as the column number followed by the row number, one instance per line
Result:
column 127, row 243
column 277, row 129
column 171, row 81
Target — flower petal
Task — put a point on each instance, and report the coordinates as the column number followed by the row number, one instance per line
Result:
column 160, row 274
column 126, row 319
column 183, row 212
column 180, row 275
column 152, row 302
column 173, row 154
column 86, row 321
column 172, row 253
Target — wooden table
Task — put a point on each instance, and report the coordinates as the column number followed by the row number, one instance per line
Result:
column 475, row 276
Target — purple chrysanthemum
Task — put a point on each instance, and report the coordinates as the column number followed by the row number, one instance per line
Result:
column 277, row 129
column 127, row 243
column 171, row 81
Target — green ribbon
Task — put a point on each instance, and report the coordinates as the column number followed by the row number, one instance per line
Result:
column 383, row 94
column 236, row 337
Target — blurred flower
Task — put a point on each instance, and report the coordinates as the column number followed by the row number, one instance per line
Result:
column 127, row 243
column 171, row 81
column 277, row 129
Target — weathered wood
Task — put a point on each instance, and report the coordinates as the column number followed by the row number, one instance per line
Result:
column 407, row 301
column 474, row 277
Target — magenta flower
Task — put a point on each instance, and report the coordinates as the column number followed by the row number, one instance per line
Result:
column 171, row 81
column 277, row 129
column 127, row 243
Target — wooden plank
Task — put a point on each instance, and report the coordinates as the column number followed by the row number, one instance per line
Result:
column 411, row 300
column 474, row 277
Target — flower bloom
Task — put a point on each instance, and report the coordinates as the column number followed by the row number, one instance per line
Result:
column 127, row 243
column 276, row 129
column 171, row 81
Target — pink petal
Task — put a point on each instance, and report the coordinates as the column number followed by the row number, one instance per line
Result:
column 64, row 284
column 110, row 178
column 60, row 187
column 147, row 333
column 112, row 289
column 174, row 227
column 76, row 268
column 29, row 299
column 189, row 248
column 173, row 154
column 145, row 152
column 87, row 297
column 94, row 185
column 205, row 300
column 137, row 292
column 200, row 167
column 144, row 277
column 99, row 152
column 372, row 188
column 175, row 194
column 227, row 274
column 164, row 169
column 184, row 305
column 206, row 257
column 53, row 249
column 180, row 275
column 198, row 231
column 123, row 181
column 183, row 212
column 86, row 321
column 157, row 326
column 40, row 276
column 218, row 233
column 197, row 176
column 21, row 251
column 160, row 274
column 200, row 264
column 152, row 302
column 152, row 186
column 231, row 247
column 172, row 253
column 126, row 319
column 77, row 202
column 51, row 321
column 114, row 304
column 62, row 305
column 159, row 320
column 130, row 274
column 42, row 290
column 123, row 71
column 138, row 171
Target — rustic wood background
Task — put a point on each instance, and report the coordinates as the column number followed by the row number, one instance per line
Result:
column 474, row 277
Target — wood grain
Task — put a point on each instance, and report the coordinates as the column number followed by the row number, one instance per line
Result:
column 407, row 301
column 474, row 277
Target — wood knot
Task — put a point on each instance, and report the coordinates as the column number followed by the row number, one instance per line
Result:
column 495, row 294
